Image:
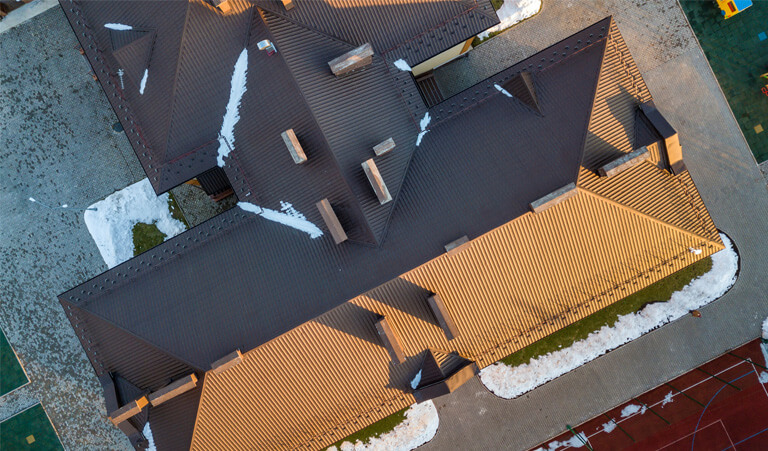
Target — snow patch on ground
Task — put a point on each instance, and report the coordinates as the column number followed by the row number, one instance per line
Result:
column 609, row 427
column 118, row 26
column 765, row 329
column 512, row 12
column 232, row 114
column 420, row 425
column 111, row 225
column 147, row 431
column 502, row 90
column 763, row 377
column 143, row 82
column 402, row 65
column 632, row 409
column 577, row 441
column 667, row 399
column 416, row 380
column 287, row 215
column 510, row 382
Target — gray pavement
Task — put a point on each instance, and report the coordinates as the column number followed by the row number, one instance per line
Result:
column 56, row 145
column 729, row 181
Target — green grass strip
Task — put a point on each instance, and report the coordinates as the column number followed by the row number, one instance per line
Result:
column 565, row 337
column 145, row 237
column 376, row 429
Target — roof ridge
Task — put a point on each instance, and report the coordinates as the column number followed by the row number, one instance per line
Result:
column 646, row 215
column 284, row 16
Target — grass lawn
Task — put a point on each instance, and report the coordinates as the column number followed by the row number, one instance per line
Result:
column 659, row 291
column 737, row 50
column 147, row 236
column 376, row 429
column 29, row 430
column 11, row 374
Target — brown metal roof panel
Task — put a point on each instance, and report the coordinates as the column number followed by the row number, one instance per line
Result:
column 173, row 421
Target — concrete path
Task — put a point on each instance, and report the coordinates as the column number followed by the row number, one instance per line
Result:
column 56, row 145
column 730, row 183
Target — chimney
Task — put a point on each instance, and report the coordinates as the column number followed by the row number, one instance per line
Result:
column 554, row 198
column 288, row 4
column 374, row 177
column 292, row 142
column 384, row 147
column 128, row 410
column 672, row 148
column 390, row 340
column 443, row 316
column 332, row 221
column 224, row 6
column 458, row 245
column 172, row 390
column 624, row 162
column 227, row 362
column 354, row 59
column 267, row 46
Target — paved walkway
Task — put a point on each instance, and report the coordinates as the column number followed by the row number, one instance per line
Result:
column 730, row 183
column 56, row 145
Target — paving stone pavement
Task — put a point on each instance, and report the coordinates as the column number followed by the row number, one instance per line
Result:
column 56, row 145
column 729, row 181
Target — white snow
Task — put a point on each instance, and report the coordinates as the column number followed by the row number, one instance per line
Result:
column 502, row 90
column 632, row 409
column 609, row 427
column 143, row 81
column 287, row 215
column 118, row 26
column 147, row 431
column 416, row 380
column 763, row 377
column 111, row 225
column 577, row 441
column 667, row 399
column 402, row 65
column 512, row 12
column 420, row 425
column 694, row 251
column 232, row 114
column 765, row 322
column 510, row 382
column 423, row 126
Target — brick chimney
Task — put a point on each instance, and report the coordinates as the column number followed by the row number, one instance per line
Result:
column 354, row 59
column 374, row 177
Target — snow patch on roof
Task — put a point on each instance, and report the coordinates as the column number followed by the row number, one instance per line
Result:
column 402, row 65
column 416, row 380
column 577, row 441
column 143, row 82
column 502, row 90
column 111, row 225
column 423, row 126
column 232, row 114
column 287, row 215
column 512, row 12
column 510, row 382
column 118, row 26
column 420, row 425
column 147, row 431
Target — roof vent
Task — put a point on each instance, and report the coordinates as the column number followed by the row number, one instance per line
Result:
column 625, row 162
column 128, row 410
column 294, row 147
column 332, row 221
column 384, row 147
column 172, row 390
column 554, row 198
column 443, row 316
column 227, row 362
column 354, row 59
column 522, row 88
column 374, row 177
column 224, row 6
column 672, row 146
column 267, row 46
column 390, row 340
column 288, row 4
column 458, row 245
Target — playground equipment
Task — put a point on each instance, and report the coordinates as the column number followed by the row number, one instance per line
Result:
column 730, row 8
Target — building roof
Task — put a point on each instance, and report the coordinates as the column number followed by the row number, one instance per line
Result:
column 304, row 309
